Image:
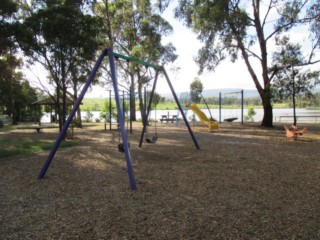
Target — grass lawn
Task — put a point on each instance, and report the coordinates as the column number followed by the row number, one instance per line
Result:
column 10, row 147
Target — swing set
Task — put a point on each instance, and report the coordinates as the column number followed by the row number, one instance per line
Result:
column 155, row 135
column 125, row 143
column 232, row 118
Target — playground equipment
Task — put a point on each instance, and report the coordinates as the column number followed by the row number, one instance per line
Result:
column 203, row 118
column 163, row 71
column 110, row 118
column 295, row 132
column 184, row 100
column 111, row 55
column 231, row 118
column 155, row 136
column 127, row 99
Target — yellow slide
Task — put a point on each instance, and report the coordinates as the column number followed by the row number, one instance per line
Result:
column 203, row 118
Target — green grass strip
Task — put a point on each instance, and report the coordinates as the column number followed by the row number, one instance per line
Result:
column 9, row 148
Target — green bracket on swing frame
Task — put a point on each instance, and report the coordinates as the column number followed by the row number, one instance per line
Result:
column 136, row 60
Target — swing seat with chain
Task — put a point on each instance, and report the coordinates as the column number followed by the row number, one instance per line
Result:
column 153, row 139
column 155, row 136
column 121, row 147
column 121, row 144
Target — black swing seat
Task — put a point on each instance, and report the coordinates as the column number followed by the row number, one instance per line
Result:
column 121, row 147
column 230, row 119
column 153, row 140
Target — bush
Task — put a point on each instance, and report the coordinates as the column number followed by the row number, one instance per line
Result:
column 249, row 116
column 1, row 124
column 76, row 122
column 89, row 115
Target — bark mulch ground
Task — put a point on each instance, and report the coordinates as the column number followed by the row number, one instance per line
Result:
column 246, row 182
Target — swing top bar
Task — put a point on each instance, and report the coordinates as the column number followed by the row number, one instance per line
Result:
column 231, row 92
column 136, row 60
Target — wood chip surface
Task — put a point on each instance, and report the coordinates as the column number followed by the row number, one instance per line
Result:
column 245, row 182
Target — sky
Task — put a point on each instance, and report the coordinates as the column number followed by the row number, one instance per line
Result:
column 226, row 75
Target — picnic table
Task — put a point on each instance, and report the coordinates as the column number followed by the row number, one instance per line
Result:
column 168, row 118
column 38, row 128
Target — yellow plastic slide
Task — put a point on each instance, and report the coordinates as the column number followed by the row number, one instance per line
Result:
column 203, row 118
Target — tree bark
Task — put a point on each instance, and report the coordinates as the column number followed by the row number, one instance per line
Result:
column 132, row 100
column 267, row 120
column 264, row 90
column 294, row 98
column 75, row 98
column 141, row 105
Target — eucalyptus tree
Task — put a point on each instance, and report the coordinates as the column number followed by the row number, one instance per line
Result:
column 314, row 14
column 246, row 29
column 59, row 36
column 10, row 76
column 16, row 94
column 196, row 88
column 135, row 28
column 7, row 10
column 292, row 80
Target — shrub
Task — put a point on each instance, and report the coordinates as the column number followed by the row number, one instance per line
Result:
column 249, row 116
column 89, row 115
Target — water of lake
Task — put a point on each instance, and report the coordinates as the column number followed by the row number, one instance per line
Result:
column 279, row 115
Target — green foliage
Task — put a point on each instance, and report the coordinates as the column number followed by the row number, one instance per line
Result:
column 291, row 79
column 156, row 99
column 239, row 30
column 16, row 94
column 196, row 88
column 136, row 29
column 7, row 27
column 76, row 122
column 89, row 115
column 107, row 114
column 94, row 104
column 293, row 82
column 64, row 40
column 250, row 115
column 167, row 105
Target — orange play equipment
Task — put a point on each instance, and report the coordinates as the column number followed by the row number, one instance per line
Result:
column 295, row 132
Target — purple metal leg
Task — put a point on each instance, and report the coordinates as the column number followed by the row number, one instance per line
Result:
column 121, row 121
column 71, row 115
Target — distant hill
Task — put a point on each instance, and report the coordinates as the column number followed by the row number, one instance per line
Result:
column 248, row 93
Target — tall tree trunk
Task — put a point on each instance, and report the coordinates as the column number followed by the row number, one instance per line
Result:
column 64, row 94
column 14, row 118
column 59, row 107
column 294, row 110
column 264, row 91
column 294, row 99
column 267, row 120
column 75, row 98
column 132, row 100
column 141, row 105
